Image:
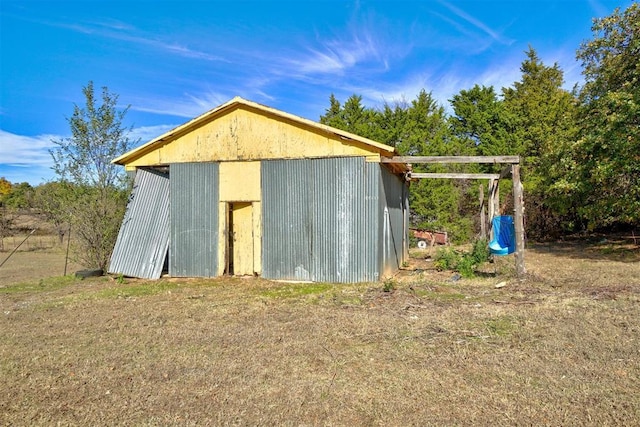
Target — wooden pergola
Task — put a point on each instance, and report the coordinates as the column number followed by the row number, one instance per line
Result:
column 512, row 168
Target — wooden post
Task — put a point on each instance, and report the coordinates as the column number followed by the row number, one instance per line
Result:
column 518, row 208
column 495, row 197
column 483, row 214
column 494, row 204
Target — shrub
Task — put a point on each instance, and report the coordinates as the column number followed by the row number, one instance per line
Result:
column 480, row 252
column 447, row 259
column 389, row 285
column 463, row 262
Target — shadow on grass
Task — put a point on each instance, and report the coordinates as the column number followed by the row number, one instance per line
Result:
column 613, row 248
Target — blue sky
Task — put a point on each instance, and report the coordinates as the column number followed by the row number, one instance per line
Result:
column 172, row 61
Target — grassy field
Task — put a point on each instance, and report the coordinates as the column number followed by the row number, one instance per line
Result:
column 559, row 348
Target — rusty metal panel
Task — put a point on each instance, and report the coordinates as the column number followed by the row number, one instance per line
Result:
column 143, row 239
column 194, row 219
column 320, row 220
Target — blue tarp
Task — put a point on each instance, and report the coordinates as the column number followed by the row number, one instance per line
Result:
column 504, row 236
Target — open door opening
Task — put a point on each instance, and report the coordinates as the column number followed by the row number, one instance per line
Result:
column 240, row 239
column 229, row 269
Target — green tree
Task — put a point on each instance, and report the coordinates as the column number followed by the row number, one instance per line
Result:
column 542, row 119
column 6, row 224
column 97, row 137
column 6, row 216
column 94, row 189
column 609, row 145
column 481, row 119
column 333, row 115
column 392, row 124
column 426, row 131
column 55, row 199
column 543, row 112
column 5, row 187
column 353, row 116
column 19, row 196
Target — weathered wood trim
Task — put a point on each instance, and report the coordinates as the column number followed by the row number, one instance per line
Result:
column 454, row 175
column 452, row 159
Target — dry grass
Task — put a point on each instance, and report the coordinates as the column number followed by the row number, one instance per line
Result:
column 560, row 348
column 39, row 254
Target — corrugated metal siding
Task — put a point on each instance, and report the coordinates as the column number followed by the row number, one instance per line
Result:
column 393, row 225
column 142, row 242
column 287, row 233
column 194, row 219
column 319, row 218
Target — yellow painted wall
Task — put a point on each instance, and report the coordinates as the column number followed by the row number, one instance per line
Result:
column 246, row 135
column 240, row 181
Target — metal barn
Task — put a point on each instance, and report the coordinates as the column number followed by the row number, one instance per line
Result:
column 246, row 189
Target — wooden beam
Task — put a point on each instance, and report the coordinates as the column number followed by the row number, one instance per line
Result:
column 451, row 159
column 518, row 202
column 454, row 175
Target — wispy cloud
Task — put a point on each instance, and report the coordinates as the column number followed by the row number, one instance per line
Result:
column 147, row 133
column 114, row 24
column 26, row 158
column 442, row 86
column 320, row 62
column 499, row 74
column 335, row 56
column 367, row 40
column 470, row 43
column 404, row 90
column 495, row 35
column 118, row 30
column 188, row 105
column 25, row 150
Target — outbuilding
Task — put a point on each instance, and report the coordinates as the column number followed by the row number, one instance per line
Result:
column 246, row 189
